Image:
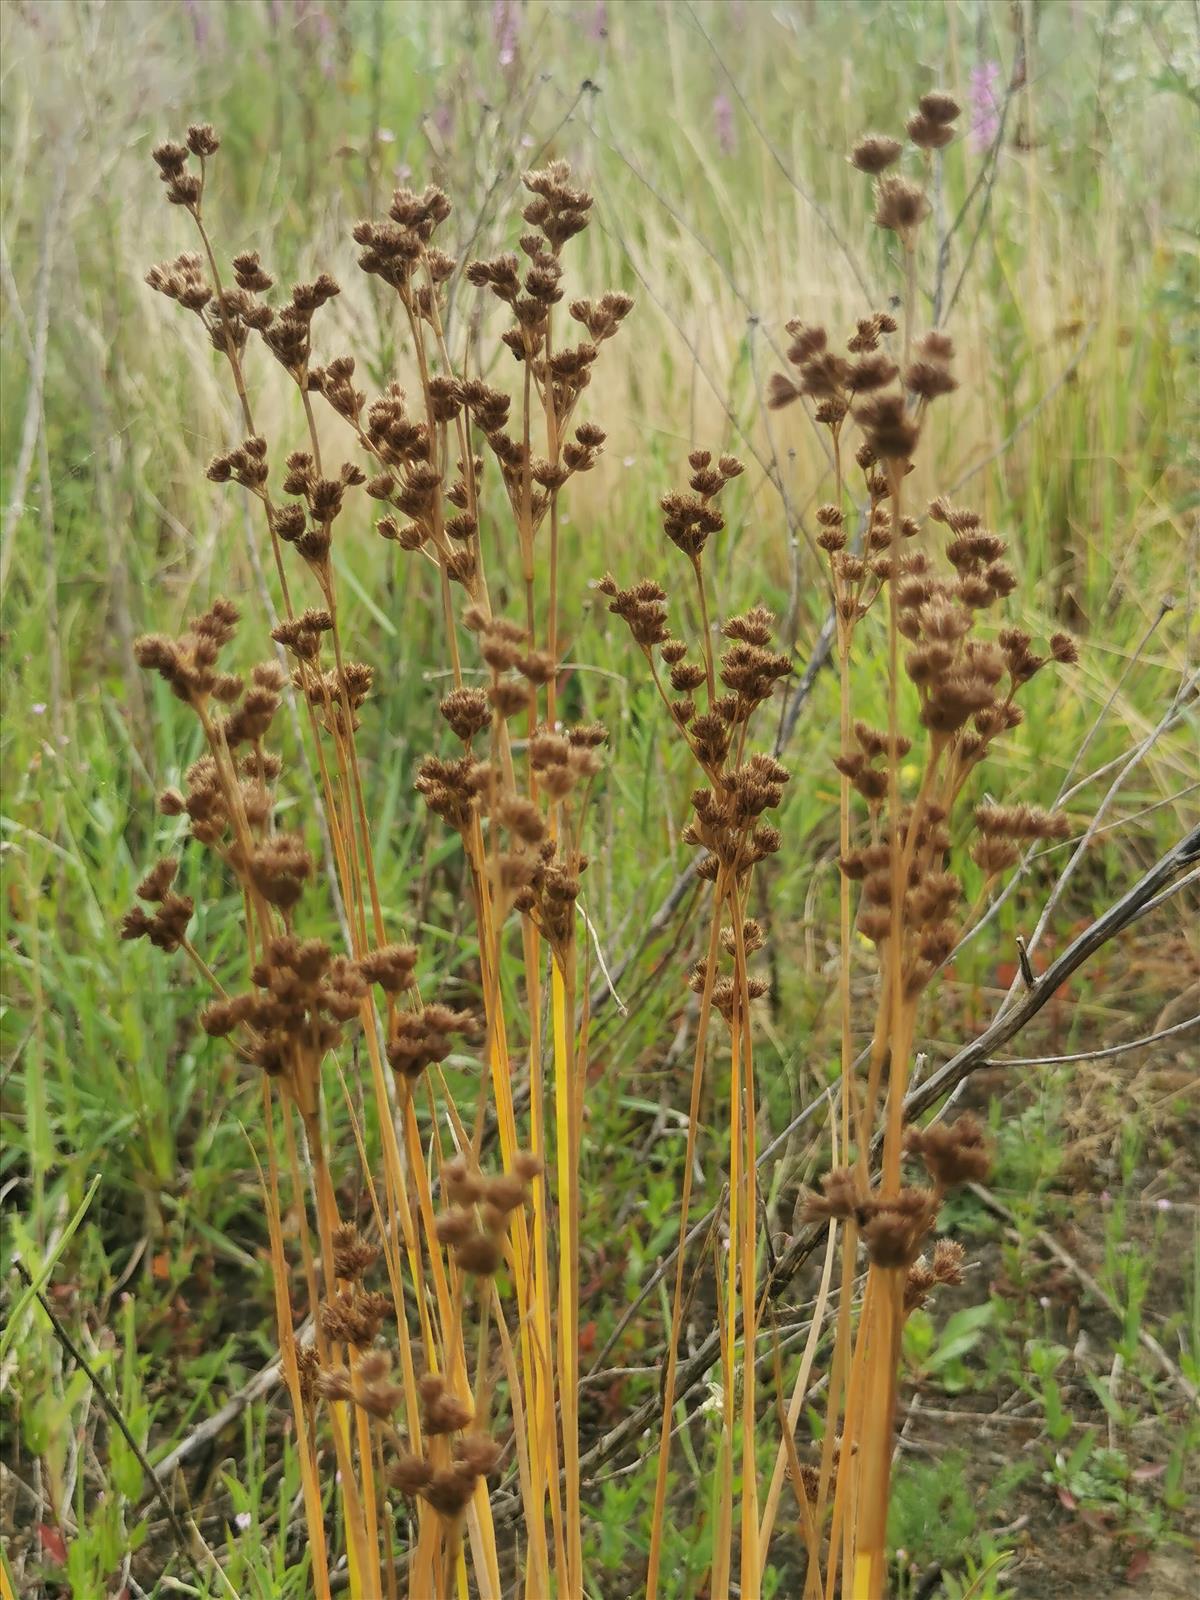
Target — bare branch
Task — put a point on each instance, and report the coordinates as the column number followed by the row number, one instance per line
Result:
column 1095, row 1055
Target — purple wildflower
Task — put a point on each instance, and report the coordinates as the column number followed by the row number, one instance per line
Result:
column 506, row 26
column 442, row 118
column 198, row 16
column 318, row 18
column 985, row 105
column 723, row 123
column 597, row 24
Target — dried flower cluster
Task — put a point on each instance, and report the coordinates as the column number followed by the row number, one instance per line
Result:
column 895, row 1226
column 728, row 813
column 900, row 204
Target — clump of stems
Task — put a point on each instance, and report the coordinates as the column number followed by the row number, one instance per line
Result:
column 445, row 1316
column 514, row 788
column 898, row 836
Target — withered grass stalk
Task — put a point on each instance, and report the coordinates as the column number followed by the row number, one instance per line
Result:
column 473, row 1266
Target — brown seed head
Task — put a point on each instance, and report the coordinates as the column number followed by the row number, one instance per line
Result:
column 899, row 205
column 938, row 107
column 875, row 153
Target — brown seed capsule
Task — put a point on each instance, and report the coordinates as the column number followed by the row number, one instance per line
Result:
column 939, row 107
column 875, row 153
column 899, row 205
column 480, row 1255
column 927, row 134
column 954, row 1153
column 410, row 1474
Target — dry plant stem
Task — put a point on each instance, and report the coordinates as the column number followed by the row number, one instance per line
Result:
column 363, row 1534
column 789, row 1419
column 706, row 631
column 553, row 452
column 531, row 1274
column 535, row 1307
column 795, row 1472
column 300, row 1207
column 396, row 1196
column 314, row 1513
column 723, row 1469
column 388, row 1233
column 668, row 1390
column 837, row 1396
column 563, row 981
column 442, row 1297
column 876, row 1437
column 894, row 971
column 849, row 1098
column 366, row 1468
column 729, row 1324
column 545, row 1457
column 536, row 1575
column 751, row 1575
column 860, row 1499
column 564, row 999
column 846, row 1494
column 849, row 1235
column 202, row 967
column 881, row 1315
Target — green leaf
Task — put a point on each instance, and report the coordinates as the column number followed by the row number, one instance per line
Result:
column 41, row 1277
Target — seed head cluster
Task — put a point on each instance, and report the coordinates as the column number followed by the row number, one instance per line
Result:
column 895, row 1226
column 712, row 703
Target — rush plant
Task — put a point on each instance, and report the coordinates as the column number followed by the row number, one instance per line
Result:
column 437, row 1347
column 480, row 1267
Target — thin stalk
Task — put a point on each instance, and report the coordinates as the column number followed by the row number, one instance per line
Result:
column 239, row 384
column 751, row 1571
column 387, row 1232
column 657, row 1524
column 723, row 1564
column 563, row 994
column 314, row 1515
column 706, row 632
